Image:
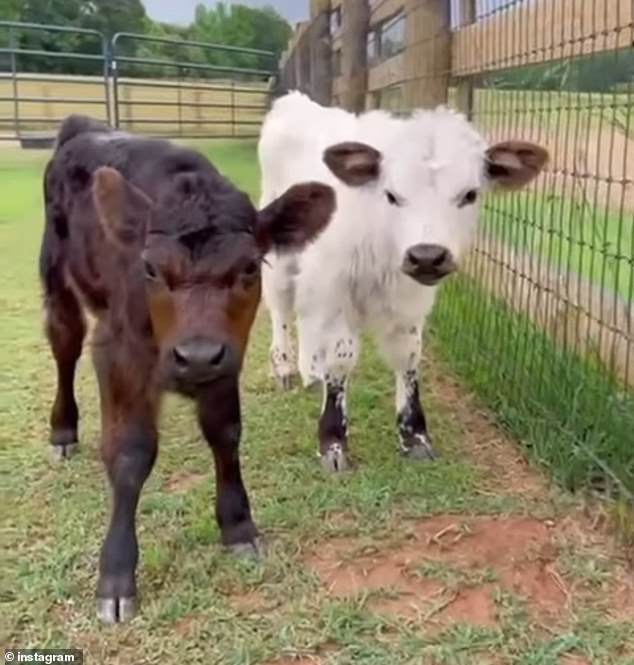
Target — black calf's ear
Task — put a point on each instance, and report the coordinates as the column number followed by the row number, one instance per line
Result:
column 122, row 208
column 513, row 164
column 296, row 217
column 355, row 164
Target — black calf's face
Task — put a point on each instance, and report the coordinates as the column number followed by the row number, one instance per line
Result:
column 200, row 254
column 203, row 290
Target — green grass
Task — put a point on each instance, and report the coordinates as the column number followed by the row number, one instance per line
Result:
column 566, row 411
column 54, row 516
column 592, row 243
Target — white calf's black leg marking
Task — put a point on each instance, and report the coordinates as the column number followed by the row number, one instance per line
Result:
column 333, row 426
column 412, row 427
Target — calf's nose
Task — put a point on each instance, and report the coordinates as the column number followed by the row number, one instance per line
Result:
column 200, row 359
column 428, row 264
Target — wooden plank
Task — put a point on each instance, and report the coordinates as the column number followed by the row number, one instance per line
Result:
column 383, row 9
column 387, row 73
column 427, row 61
column 541, row 31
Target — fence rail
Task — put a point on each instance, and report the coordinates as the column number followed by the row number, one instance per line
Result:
column 195, row 94
column 540, row 322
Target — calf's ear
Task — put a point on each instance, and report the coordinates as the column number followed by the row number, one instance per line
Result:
column 513, row 164
column 296, row 217
column 355, row 164
column 122, row 208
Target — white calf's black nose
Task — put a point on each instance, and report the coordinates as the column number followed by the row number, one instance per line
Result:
column 427, row 257
column 428, row 264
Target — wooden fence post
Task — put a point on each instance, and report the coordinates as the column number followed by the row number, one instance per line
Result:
column 428, row 53
column 354, row 55
column 321, row 52
column 464, row 88
column 304, row 78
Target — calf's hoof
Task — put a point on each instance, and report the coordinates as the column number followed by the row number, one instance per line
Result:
column 63, row 451
column 116, row 598
column 64, row 442
column 253, row 549
column 117, row 609
column 334, row 460
column 418, row 447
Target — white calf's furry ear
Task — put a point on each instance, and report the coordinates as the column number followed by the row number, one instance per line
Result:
column 513, row 164
column 354, row 163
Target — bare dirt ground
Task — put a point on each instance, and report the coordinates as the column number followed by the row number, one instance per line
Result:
column 453, row 569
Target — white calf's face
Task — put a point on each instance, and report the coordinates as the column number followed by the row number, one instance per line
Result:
column 424, row 179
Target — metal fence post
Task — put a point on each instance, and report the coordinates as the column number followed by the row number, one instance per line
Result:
column 114, row 77
column 14, row 83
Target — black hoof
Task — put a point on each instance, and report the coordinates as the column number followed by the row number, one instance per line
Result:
column 62, row 452
column 334, row 460
column 418, row 447
column 254, row 549
column 116, row 609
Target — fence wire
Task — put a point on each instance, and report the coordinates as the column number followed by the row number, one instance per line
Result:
column 540, row 321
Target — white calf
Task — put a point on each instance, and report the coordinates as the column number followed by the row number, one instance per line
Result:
column 408, row 192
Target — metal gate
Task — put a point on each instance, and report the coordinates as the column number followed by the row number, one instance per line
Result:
column 151, row 85
column 41, row 82
column 194, row 93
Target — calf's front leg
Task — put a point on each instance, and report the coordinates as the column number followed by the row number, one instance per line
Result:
column 334, row 363
column 219, row 417
column 129, row 445
column 129, row 451
column 401, row 346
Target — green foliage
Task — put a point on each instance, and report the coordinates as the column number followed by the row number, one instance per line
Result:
column 599, row 72
column 236, row 25
column 569, row 413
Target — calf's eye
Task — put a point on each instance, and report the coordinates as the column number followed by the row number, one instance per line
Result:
column 150, row 271
column 251, row 269
column 468, row 198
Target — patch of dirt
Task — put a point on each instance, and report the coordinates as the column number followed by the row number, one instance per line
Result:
column 183, row 481
column 188, row 626
column 472, row 605
column 295, row 661
column 247, row 603
column 518, row 553
column 507, row 469
column 574, row 660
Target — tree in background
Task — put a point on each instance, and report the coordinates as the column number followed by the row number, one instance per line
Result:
column 234, row 25
column 106, row 16
column 238, row 25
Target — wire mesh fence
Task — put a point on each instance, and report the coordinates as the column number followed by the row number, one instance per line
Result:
column 540, row 321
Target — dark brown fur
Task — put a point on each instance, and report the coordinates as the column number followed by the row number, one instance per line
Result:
column 166, row 254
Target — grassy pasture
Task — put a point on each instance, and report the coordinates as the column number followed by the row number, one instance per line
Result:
column 475, row 560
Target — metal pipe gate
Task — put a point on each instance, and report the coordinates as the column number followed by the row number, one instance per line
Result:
column 152, row 85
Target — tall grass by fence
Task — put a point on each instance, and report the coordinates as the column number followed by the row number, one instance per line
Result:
column 540, row 321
